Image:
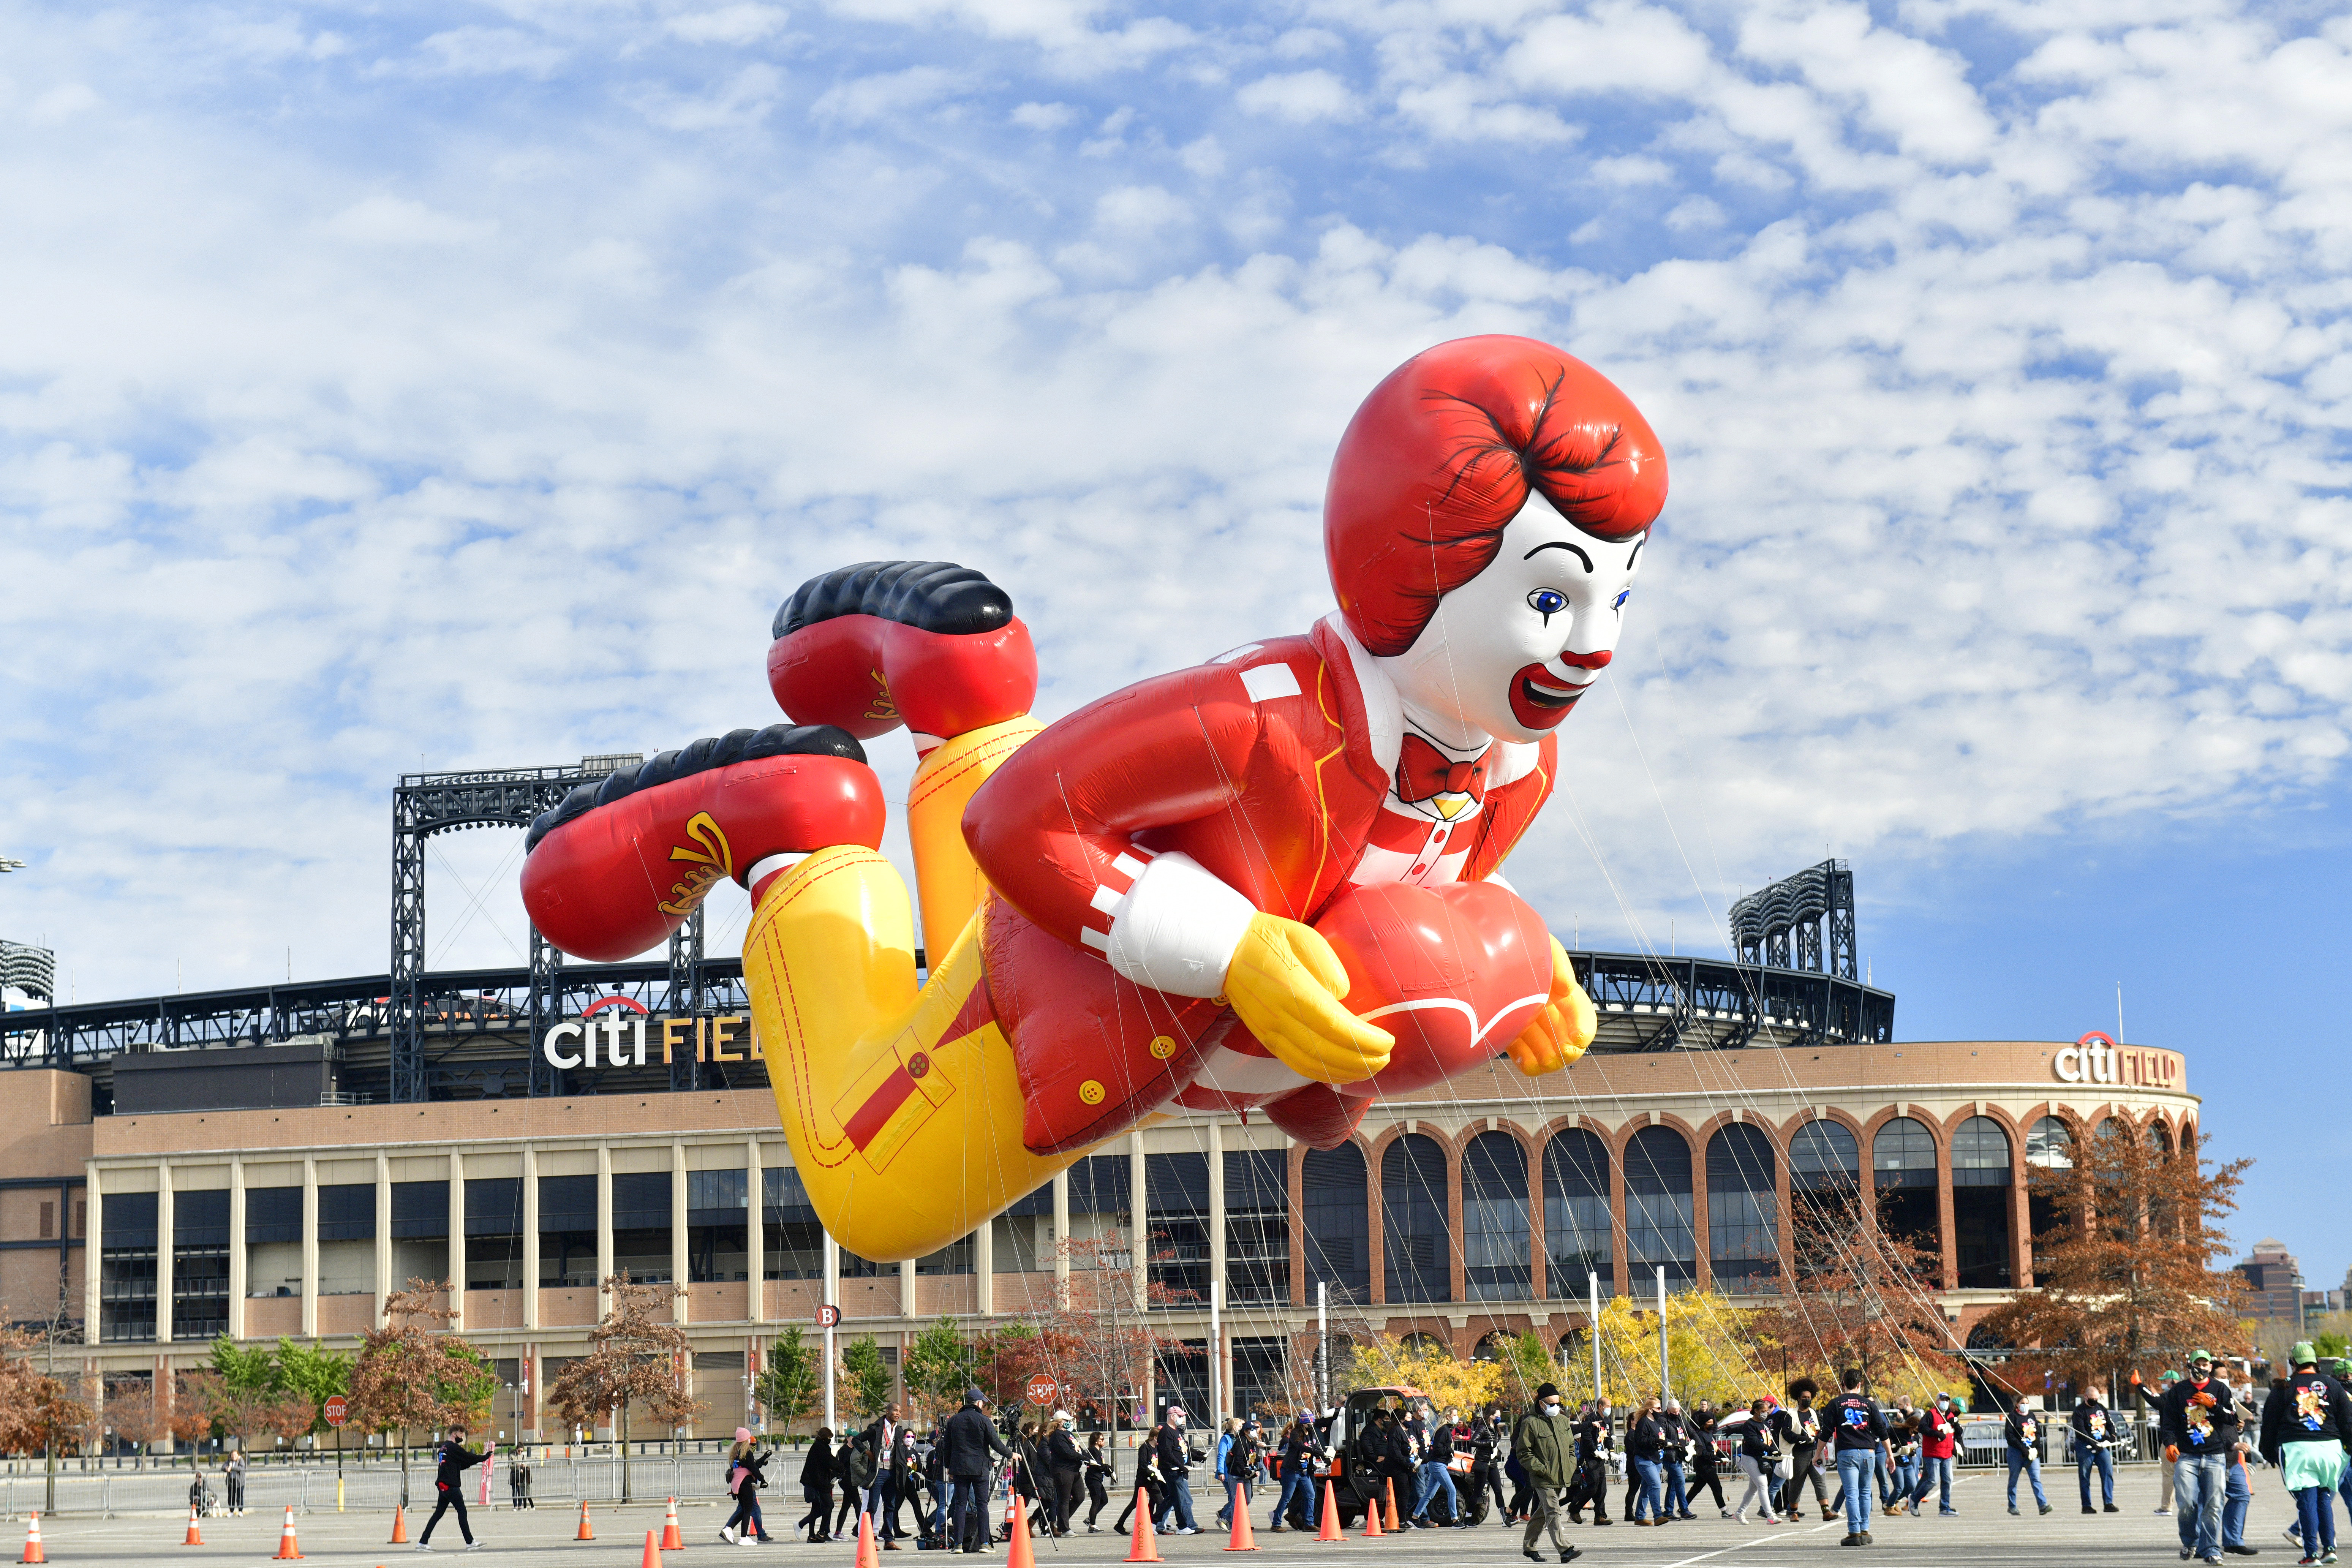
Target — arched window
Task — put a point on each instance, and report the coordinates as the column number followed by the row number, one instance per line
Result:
column 1658, row 1228
column 1493, row 1346
column 1576, row 1216
column 2109, row 1128
column 1823, row 1157
column 2050, row 1143
column 1414, row 1242
column 1334, row 1203
column 1981, row 1201
column 1743, row 1211
column 1495, row 1260
column 1824, row 1188
column 2159, row 1138
column 1902, row 1176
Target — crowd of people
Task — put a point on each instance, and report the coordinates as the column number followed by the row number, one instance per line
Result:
column 937, row 1483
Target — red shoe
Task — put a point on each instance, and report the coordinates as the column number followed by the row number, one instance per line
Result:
column 619, row 866
column 929, row 644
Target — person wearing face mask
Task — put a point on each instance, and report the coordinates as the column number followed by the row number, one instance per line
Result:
column 1804, row 1430
column 2306, row 1430
column 1168, row 876
column 1545, row 1447
column 1595, row 1436
column 2021, row 1435
column 1902, row 1442
column 2094, row 1441
column 2199, row 1429
column 1759, row 1461
column 1705, row 1460
column 1939, row 1438
column 1175, row 1462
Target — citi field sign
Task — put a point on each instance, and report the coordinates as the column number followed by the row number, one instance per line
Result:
column 2096, row 1059
column 628, row 1031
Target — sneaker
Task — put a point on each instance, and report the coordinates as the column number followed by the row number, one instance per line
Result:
column 2088, row 1508
column 2294, row 1534
column 2012, row 1510
column 2111, row 1509
column 1853, row 1537
column 2242, row 1549
column 1189, row 1530
column 1729, row 1514
column 727, row 1534
column 2328, row 1555
column 2045, row 1507
column 2306, row 1561
column 1865, row 1538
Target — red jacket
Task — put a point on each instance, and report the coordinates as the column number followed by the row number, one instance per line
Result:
column 1939, row 1433
column 1268, row 766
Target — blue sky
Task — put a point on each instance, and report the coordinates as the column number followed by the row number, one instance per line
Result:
column 467, row 384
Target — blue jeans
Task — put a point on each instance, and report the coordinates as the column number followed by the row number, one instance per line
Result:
column 2199, row 1483
column 2028, row 1461
column 2087, row 1458
column 1180, row 1501
column 1854, row 1467
column 1434, row 1479
column 1906, row 1477
column 1296, row 1482
column 1646, row 1472
column 2313, row 1513
column 1932, row 1472
column 2237, row 1496
column 1881, row 1470
column 1678, row 1500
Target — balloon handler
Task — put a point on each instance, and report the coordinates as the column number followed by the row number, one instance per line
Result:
column 1269, row 882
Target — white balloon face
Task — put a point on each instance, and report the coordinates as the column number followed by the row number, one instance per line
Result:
column 1510, row 652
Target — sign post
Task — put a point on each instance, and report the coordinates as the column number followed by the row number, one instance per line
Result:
column 338, row 1410
column 826, row 1317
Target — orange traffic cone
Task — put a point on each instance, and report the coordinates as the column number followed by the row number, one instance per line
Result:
column 195, row 1536
column 286, row 1547
column 671, row 1541
column 1243, row 1540
column 1393, row 1523
column 1144, row 1549
column 399, row 1525
column 1022, row 1554
column 652, row 1558
column 1332, row 1515
column 1372, row 1521
column 867, row 1557
column 33, row 1553
column 586, row 1533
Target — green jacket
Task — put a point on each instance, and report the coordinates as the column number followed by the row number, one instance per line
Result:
column 1545, row 1447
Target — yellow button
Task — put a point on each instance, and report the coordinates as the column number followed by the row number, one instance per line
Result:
column 1163, row 1046
column 1091, row 1092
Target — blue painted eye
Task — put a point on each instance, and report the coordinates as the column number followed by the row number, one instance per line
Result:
column 1547, row 602
column 1618, row 601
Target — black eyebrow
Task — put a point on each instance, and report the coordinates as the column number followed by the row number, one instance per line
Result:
column 1637, row 552
column 1562, row 544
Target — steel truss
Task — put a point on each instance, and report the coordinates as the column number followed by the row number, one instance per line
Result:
column 1814, row 908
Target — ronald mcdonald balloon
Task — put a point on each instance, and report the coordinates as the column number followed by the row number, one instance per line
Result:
column 1270, row 882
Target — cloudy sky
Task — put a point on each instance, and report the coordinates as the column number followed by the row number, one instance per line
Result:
column 457, row 386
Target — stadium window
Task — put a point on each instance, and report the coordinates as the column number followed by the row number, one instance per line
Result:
column 1743, row 1211
column 1496, row 1263
column 1659, row 1230
column 1981, row 1201
column 1334, row 1200
column 1577, row 1226
column 1903, row 1172
column 1415, row 1241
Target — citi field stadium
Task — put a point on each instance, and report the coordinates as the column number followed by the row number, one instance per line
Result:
column 274, row 1161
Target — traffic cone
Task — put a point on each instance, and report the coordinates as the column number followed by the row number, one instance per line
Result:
column 1331, row 1531
column 586, row 1533
column 1393, row 1523
column 1022, row 1554
column 195, row 1536
column 1144, row 1549
column 287, row 1549
column 652, row 1558
column 33, row 1553
column 1243, row 1540
column 671, row 1541
column 1372, row 1530
column 400, row 1525
column 867, row 1557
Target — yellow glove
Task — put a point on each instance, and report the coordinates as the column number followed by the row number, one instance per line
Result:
column 1562, row 1029
column 1285, row 983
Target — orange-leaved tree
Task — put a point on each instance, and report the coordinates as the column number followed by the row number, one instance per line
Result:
column 416, row 1373
column 2126, row 1275
column 634, row 1358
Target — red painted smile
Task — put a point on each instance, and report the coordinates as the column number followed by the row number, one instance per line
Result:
column 1540, row 700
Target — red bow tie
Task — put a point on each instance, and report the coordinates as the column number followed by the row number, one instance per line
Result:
column 1423, row 770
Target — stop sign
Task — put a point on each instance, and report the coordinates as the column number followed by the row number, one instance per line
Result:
column 1043, row 1389
column 336, row 1408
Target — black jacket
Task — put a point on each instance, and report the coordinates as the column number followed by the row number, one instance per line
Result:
column 2311, row 1408
column 451, row 1461
column 1594, row 1437
column 1855, row 1421
column 754, row 1467
column 816, row 1471
column 1174, row 1454
column 1647, row 1441
column 2210, row 1431
column 1062, row 1451
column 972, row 1440
column 2023, row 1431
column 1758, row 1437
column 1440, row 1450
column 2089, row 1434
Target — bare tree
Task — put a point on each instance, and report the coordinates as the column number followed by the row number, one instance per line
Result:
column 633, row 1357
column 1097, row 1338
column 133, row 1412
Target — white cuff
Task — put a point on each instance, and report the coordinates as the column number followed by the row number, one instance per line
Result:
column 1177, row 927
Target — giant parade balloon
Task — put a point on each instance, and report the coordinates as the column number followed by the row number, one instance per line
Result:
column 1272, row 882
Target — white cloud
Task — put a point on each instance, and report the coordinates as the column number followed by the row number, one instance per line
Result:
column 887, row 95
column 61, row 103
column 489, row 51
column 1300, row 96
column 396, row 220
column 1042, row 116
column 736, row 24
